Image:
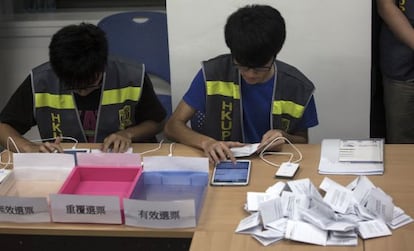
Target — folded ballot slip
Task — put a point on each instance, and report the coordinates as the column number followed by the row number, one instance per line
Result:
column 244, row 151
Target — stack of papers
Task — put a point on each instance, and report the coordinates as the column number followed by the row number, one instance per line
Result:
column 297, row 211
column 352, row 157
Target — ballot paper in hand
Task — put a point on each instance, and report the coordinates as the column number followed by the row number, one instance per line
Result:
column 244, row 151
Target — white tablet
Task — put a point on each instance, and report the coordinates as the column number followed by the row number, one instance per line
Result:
column 227, row 173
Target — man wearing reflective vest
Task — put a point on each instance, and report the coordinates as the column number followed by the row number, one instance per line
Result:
column 247, row 96
column 84, row 94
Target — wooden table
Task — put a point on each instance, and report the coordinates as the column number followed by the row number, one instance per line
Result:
column 223, row 206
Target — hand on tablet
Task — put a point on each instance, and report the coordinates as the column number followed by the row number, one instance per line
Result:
column 218, row 151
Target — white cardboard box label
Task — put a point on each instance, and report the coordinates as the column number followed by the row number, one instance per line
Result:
column 160, row 214
column 24, row 209
column 85, row 208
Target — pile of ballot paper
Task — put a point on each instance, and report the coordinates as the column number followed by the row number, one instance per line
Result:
column 297, row 211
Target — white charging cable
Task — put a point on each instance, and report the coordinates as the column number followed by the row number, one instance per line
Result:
column 8, row 162
column 171, row 149
column 263, row 152
column 75, row 141
column 155, row 149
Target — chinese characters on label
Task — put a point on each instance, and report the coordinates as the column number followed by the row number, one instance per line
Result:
column 16, row 210
column 85, row 209
column 158, row 215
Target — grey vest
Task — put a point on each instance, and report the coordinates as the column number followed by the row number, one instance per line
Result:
column 224, row 113
column 56, row 112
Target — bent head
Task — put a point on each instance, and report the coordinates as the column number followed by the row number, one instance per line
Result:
column 78, row 55
column 255, row 35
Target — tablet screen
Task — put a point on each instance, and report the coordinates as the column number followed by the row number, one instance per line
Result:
column 228, row 173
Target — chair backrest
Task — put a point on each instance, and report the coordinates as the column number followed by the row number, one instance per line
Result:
column 142, row 36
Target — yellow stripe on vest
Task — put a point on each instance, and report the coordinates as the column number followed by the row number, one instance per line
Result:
column 118, row 96
column 228, row 89
column 54, row 101
column 287, row 107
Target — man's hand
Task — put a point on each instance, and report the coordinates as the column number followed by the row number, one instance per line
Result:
column 118, row 142
column 217, row 151
column 48, row 147
column 270, row 136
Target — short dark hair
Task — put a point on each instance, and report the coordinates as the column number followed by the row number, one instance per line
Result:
column 255, row 34
column 78, row 54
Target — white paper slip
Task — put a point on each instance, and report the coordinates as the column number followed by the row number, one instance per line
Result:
column 276, row 188
column 255, row 198
column 278, row 225
column 367, row 150
column 380, row 204
column 249, row 224
column 372, row 229
column 244, row 151
column 268, row 237
column 336, row 161
column 361, row 189
column 334, row 240
column 400, row 221
column 400, row 218
column 305, row 232
column 270, row 211
column 339, row 198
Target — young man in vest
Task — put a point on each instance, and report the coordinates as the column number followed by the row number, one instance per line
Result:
column 247, row 96
column 85, row 94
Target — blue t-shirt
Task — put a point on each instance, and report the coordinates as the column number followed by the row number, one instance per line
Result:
column 256, row 103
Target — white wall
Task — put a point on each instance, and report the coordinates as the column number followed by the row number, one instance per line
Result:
column 329, row 41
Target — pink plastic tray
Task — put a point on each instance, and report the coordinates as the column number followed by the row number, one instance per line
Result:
column 110, row 181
